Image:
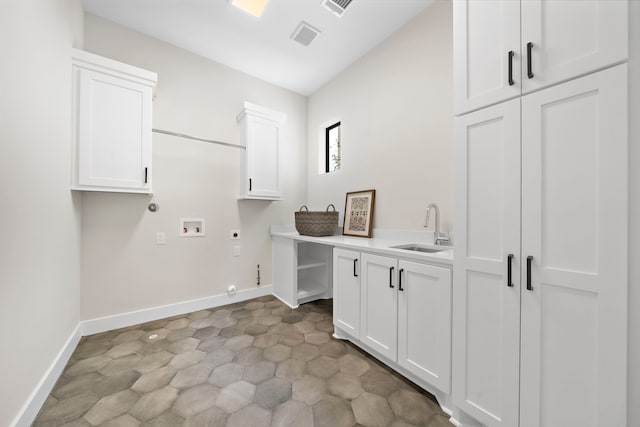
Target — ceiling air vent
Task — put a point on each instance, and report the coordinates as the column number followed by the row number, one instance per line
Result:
column 337, row 7
column 304, row 34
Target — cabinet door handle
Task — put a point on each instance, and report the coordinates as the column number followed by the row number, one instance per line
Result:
column 529, row 60
column 400, row 288
column 509, row 260
column 529, row 259
column 511, row 82
column 146, row 170
column 391, row 276
column 355, row 267
column 250, row 184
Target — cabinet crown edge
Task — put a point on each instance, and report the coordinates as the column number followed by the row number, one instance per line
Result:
column 88, row 60
column 254, row 110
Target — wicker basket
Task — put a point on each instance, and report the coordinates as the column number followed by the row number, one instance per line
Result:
column 316, row 223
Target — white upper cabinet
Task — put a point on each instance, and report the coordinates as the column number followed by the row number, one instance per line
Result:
column 503, row 48
column 568, row 38
column 261, row 134
column 112, row 130
column 485, row 32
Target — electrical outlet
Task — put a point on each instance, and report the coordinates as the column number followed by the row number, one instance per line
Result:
column 236, row 251
column 235, row 234
column 161, row 238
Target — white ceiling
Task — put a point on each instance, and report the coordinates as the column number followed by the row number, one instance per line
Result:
column 262, row 47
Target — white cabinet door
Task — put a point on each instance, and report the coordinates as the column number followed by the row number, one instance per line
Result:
column 424, row 322
column 551, row 40
column 485, row 33
column 114, row 132
column 261, row 134
column 346, row 291
column 574, row 226
column 486, row 317
column 263, row 159
column 571, row 38
column 379, row 320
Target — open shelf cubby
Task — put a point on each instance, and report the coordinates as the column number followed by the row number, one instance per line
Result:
column 314, row 271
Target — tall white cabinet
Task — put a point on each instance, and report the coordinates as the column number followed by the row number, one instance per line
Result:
column 574, row 253
column 540, row 270
column 486, row 305
column 112, row 105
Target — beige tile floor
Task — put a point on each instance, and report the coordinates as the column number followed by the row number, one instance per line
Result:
column 250, row 364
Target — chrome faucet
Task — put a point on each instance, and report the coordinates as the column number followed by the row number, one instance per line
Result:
column 438, row 237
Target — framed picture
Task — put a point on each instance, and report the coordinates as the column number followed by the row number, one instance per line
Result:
column 358, row 213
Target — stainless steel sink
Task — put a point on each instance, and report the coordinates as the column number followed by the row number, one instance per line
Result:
column 420, row 248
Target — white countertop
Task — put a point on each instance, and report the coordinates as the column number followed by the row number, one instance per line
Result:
column 379, row 244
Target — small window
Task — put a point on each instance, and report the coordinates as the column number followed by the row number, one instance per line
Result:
column 332, row 148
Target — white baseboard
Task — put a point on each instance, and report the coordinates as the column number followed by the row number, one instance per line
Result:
column 103, row 324
column 31, row 408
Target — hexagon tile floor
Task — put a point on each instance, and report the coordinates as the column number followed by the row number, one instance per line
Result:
column 250, row 364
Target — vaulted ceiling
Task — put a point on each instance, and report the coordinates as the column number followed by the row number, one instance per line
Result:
column 262, row 47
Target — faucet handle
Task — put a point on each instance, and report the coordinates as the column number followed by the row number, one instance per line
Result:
column 439, row 237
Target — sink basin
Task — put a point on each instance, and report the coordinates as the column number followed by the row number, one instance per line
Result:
column 419, row 248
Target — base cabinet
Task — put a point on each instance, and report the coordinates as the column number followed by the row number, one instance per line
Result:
column 404, row 312
column 424, row 322
column 346, row 291
column 379, row 304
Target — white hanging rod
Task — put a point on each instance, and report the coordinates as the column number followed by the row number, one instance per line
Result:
column 181, row 135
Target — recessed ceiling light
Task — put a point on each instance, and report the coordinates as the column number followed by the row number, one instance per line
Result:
column 254, row 7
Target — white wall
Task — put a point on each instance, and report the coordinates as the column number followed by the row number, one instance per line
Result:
column 395, row 106
column 122, row 268
column 634, row 217
column 39, row 216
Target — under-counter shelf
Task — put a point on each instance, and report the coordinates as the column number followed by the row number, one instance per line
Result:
column 302, row 271
column 307, row 263
column 310, row 289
